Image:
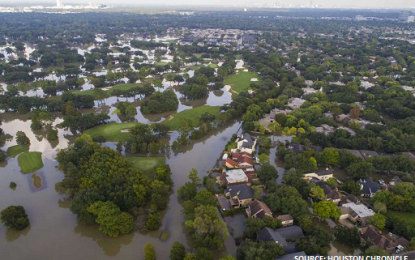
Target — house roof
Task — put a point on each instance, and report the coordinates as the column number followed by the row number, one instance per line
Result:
column 323, row 172
column 296, row 147
column 367, row 186
column 360, row 209
column 243, row 191
column 223, row 202
column 286, row 217
column 236, row 176
column 330, row 193
column 259, row 208
column 386, row 242
column 291, row 256
column 281, row 235
column 396, row 179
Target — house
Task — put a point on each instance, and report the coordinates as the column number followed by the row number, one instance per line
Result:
column 322, row 175
column 368, row 188
column 395, row 180
column 282, row 236
column 296, row 147
column 239, row 195
column 292, row 256
column 234, row 176
column 286, row 220
column 238, row 160
column 349, row 198
column 245, row 143
column 270, row 118
column 223, row 203
column 325, row 129
column 295, row 103
column 388, row 242
column 258, row 209
column 331, row 194
column 356, row 212
column 356, row 153
column 367, row 154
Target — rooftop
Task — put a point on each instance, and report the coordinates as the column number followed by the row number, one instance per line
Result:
column 235, row 176
column 360, row 209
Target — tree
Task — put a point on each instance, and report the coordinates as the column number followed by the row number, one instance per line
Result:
column 258, row 191
column 228, row 257
column 22, row 139
column 187, row 191
column 178, row 251
column 14, row 217
column 190, row 257
column 274, row 127
column 330, row 156
column 332, row 182
column 52, row 134
column 379, row 207
column 317, row 192
column 149, row 252
column 267, row 172
column 263, row 158
column 130, row 111
column 208, row 225
column 112, row 221
column 375, row 251
column 250, row 250
column 354, row 112
column 360, row 169
column 194, row 177
column 351, row 187
column 326, row 209
column 347, row 236
column 378, row 220
column 305, row 222
column 204, row 197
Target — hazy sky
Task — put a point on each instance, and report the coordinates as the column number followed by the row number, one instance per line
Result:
column 327, row 3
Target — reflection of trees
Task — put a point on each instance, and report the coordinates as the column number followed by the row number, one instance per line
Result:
column 214, row 132
column 110, row 246
column 65, row 203
column 13, row 234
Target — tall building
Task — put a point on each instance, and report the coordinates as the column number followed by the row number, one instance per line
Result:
column 404, row 15
column 59, row 3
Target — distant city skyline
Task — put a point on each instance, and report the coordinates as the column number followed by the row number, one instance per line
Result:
column 293, row 3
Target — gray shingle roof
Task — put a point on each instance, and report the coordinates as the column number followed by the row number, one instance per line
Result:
column 245, row 192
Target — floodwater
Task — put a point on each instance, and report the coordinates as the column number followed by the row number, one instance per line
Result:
column 54, row 232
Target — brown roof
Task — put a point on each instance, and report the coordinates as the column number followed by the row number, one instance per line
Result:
column 387, row 242
column 259, row 208
column 243, row 157
column 286, row 217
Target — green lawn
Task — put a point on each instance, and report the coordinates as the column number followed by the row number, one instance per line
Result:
column 193, row 114
column 408, row 216
column 145, row 163
column 112, row 131
column 240, row 82
column 213, row 65
column 13, row 151
column 30, row 161
column 160, row 63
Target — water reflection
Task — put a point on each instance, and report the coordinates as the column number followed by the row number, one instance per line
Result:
column 110, row 246
column 13, row 234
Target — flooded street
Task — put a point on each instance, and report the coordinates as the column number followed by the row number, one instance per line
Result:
column 54, row 229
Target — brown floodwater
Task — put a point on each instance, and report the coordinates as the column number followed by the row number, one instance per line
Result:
column 54, row 232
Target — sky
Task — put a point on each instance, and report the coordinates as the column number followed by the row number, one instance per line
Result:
column 324, row 3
